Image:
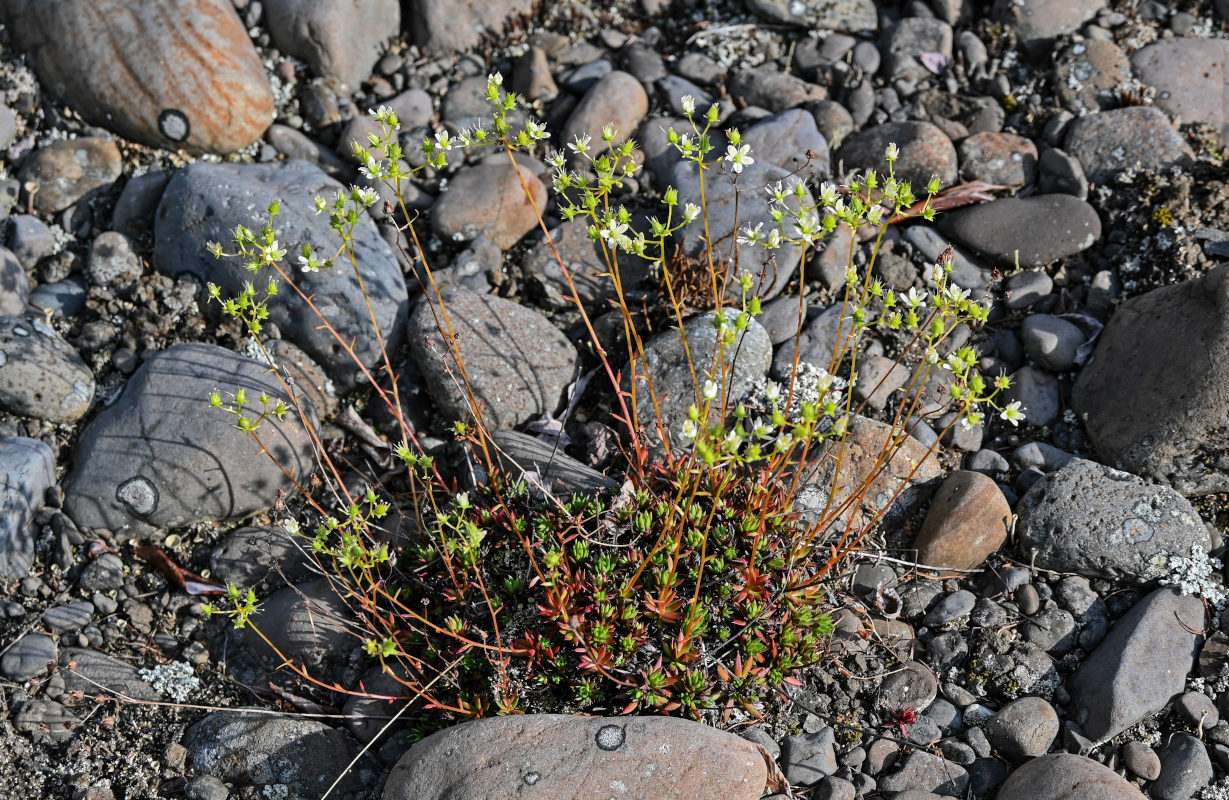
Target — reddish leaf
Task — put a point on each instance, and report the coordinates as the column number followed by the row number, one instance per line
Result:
column 190, row 582
column 963, row 195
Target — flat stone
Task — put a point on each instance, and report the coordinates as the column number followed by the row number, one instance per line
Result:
column 69, row 170
column 308, row 624
column 1003, row 159
column 768, row 88
column 1191, row 78
column 784, row 139
column 1096, row 521
column 41, row 375
column 517, row 363
column 1089, row 75
column 1038, row 395
column 29, row 469
column 159, row 456
column 853, row 16
column 1140, row 667
column 206, row 202
column 1038, row 22
column 1171, row 346
column 1061, row 776
column 927, row 772
column 1112, row 141
column 259, row 553
column 547, row 756
column 617, row 99
column 1141, row 759
column 1006, row 229
column 1185, row 768
column 337, row 38
column 1051, row 342
column 586, row 264
column 546, row 467
column 133, row 66
column 925, row 153
column 92, row 672
column 440, row 27
column 968, row 520
column 28, row 657
column 488, row 200
column 808, row 759
column 69, row 617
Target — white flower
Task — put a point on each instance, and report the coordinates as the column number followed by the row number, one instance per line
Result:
column 555, row 160
column 892, row 152
column 495, row 79
column 1012, row 413
column 536, row 130
column 938, row 273
column 367, row 197
column 690, row 430
column 710, row 390
column 955, row 293
column 274, row 253
column 913, row 298
column 689, row 104
column 774, row 239
column 443, row 141
column 751, row 235
column 690, row 212
column 932, row 356
column 739, row 157
column 772, row 391
column 581, row 145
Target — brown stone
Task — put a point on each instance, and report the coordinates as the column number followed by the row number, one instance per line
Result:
column 69, row 170
column 1191, row 77
column 617, row 99
column 167, row 73
column 1000, row 158
column 1061, row 776
column 968, row 520
column 560, row 757
column 925, row 153
column 488, row 200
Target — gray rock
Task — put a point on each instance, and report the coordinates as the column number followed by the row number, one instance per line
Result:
column 445, row 26
column 772, row 269
column 1109, row 142
column 784, row 139
column 808, row 759
column 1089, row 74
column 159, row 456
column 1025, row 288
column 547, row 756
column 1005, row 230
column 304, row 755
column 70, row 616
column 28, row 657
column 91, row 672
column 63, row 299
column 968, row 272
column 1197, row 710
column 1023, row 728
column 40, row 374
column 29, row 469
column 999, row 158
column 766, row 87
column 1038, row 22
column 952, row 607
column 1095, row 521
column 337, row 38
column 516, row 361
column 1037, row 393
column 1051, row 341
column 878, row 378
column 927, row 772
column 102, row 574
column 308, row 624
column 1052, row 629
column 584, row 260
column 840, row 15
column 134, row 210
column 618, row 99
column 903, row 42
column 1185, row 768
column 1040, row 456
column 46, row 721
column 14, row 285
column 925, row 153
column 31, row 239
column 112, row 261
column 545, row 467
column 1140, row 667
column 1060, row 776
column 259, row 553
column 205, row 202
column 1061, row 173
column 294, row 143
column 1189, row 76
column 666, row 361
column 1173, row 343
column 1141, row 759
column 832, row 120
column 913, row 685
column 69, row 170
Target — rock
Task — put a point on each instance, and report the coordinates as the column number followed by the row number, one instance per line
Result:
column 617, row 99
column 102, row 574
column 40, row 374
column 414, row 108
column 308, row 624
column 159, row 456
column 1038, row 22
column 70, row 616
column 1095, row 521
column 69, row 170
column 1173, row 342
column 304, row 755
column 337, row 38
column 28, row 657
column 14, row 285
column 1061, row 173
column 205, row 202
column 1197, row 709
column 1060, row 776
column 584, row 261
column 134, row 210
column 259, row 553
column 1089, row 74
column 1051, row 341
column 112, row 261
column 1037, row 393
column 878, row 378
column 31, row 240
column 1141, row 759
column 29, row 469
column 440, row 27
column 1025, row 288
column 808, row 759
column 968, row 520
column 785, row 139
column 1000, row 158
column 488, row 200
column 925, row 153
column 544, row 466
column 767, row 88
column 1109, row 142
column 1191, row 78
column 1140, row 667
column 516, row 361
column 772, row 269
column 546, row 756
column 927, row 772
column 912, row 685
column 63, row 299
column 1052, row 630
column 92, row 672
column 665, row 358
column 46, row 721
column 531, row 76
column 832, row 120
column 864, row 445
column 1006, row 229
column 902, row 44
column 1023, row 728
column 854, row 16
column 955, row 606
column 134, row 67
column 1185, row 768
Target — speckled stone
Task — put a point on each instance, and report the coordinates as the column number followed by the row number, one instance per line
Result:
column 1111, row 141
column 925, row 152
column 41, row 375
column 1007, row 227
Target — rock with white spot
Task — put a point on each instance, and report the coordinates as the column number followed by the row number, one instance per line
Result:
column 41, row 375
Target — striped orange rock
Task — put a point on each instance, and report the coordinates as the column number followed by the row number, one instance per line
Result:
column 179, row 74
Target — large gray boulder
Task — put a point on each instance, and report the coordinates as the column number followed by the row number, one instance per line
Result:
column 28, row 467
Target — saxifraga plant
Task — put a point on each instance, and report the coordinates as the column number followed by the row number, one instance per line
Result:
column 699, row 586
